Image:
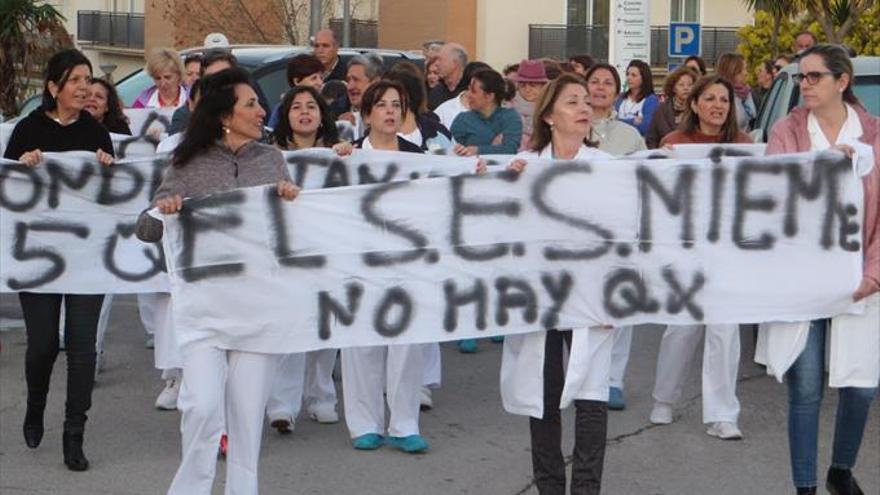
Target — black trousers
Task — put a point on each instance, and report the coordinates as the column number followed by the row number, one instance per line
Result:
column 590, row 428
column 41, row 317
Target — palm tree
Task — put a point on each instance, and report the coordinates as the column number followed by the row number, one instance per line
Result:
column 837, row 17
column 28, row 32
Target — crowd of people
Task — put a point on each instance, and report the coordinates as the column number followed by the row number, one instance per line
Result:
column 224, row 136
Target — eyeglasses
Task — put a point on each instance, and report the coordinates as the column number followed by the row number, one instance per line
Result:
column 811, row 77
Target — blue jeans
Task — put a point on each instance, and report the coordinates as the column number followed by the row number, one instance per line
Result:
column 805, row 382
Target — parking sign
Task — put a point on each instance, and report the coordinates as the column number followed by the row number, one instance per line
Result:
column 684, row 39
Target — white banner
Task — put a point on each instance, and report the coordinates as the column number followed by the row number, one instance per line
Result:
column 66, row 225
column 565, row 244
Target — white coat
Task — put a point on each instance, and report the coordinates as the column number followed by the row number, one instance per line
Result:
column 854, row 357
column 522, row 358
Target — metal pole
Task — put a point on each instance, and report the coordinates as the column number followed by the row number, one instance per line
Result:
column 346, row 23
column 315, row 24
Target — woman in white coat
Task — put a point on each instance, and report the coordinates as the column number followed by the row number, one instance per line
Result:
column 533, row 381
column 831, row 116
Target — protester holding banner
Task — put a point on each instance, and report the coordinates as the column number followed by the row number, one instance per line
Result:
column 219, row 152
column 61, row 123
column 394, row 370
column 533, row 381
column 419, row 126
column 105, row 107
column 710, row 118
column 487, row 128
column 637, row 105
column 613, row 135
column 676, row 88
column 305, row 378
column 831, row 117
column 166, row 69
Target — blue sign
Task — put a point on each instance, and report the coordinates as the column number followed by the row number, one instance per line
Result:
column 684, row 39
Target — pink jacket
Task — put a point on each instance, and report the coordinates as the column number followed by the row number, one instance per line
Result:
column 790, row 135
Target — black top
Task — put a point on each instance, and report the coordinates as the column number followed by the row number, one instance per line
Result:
column 402, row 145
column 441, row 93
column 120, row 127
column 39, row 131
column 339, row 71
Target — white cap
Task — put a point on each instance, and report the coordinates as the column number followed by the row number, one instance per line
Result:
column 216, row 39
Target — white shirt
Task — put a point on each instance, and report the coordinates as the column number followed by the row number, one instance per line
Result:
column 153, row 102
column 851, row 130
column 415, row 137
column 630, row 109
column 449, row 109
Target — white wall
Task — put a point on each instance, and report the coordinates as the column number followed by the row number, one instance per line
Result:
column 503, row 27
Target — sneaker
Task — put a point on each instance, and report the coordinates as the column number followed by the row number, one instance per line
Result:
column 167, row 400
column 725, row 430
column 412, row 444
column 370, row 441
column 324, row 416
column 284, row 424
column 468, row 346
column 426, row 403
column 615, row 399
column 661, row 414
column 841, row 482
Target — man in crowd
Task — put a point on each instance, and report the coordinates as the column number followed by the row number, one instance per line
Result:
column 450, row 65
column 327, row 51
column 363, row 70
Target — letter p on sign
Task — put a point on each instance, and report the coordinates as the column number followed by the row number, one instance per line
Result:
column 684, row 39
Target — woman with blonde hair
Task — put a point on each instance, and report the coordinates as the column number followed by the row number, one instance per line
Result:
column 168, row 91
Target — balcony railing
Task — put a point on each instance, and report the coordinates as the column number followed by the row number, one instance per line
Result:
column 115, row 29
column 561, row 41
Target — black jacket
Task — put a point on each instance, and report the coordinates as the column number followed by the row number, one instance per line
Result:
column 402, row 145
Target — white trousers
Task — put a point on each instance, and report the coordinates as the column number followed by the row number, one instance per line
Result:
column 320, row 390
column 623, row 337
column 720, row 365
column 433, row 366
column 366, row 373
column 214, row 381
column 286, row 394
column 155, row 311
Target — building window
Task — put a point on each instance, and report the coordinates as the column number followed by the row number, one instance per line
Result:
column 685, row 11
column 581, row 12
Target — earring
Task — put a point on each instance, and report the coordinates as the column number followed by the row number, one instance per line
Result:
column 552, row 127
column 225, row 129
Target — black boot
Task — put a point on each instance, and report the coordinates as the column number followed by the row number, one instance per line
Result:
column 842, row 482
column 33, row 426
column 807, row 491
column 74, row 457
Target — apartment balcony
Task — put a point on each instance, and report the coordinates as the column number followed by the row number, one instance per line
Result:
column 110, row 29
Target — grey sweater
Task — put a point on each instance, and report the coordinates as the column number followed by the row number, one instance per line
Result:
column 217, row 169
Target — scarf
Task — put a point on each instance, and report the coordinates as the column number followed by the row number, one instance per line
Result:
column 678, row 108
column 742, row 91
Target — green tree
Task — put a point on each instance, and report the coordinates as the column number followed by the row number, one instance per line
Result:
column 29, row 34
column 837, row 17
column 779, row 11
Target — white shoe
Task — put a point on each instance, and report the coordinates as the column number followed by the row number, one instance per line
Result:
column 324, row 416
column 725, row 430
column 425, row 401
column 284, row 424
column 167, row 400
column 661, row 414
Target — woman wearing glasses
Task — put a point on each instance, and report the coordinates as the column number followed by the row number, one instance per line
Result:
column 831, row 117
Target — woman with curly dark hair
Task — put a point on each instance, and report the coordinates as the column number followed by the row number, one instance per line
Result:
column 105, row 107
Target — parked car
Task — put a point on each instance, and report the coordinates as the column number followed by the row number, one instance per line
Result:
column 785, row 94
column 266, row 63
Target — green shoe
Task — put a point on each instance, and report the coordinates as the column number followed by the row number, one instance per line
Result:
column 413, row 444
column 370, row 441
